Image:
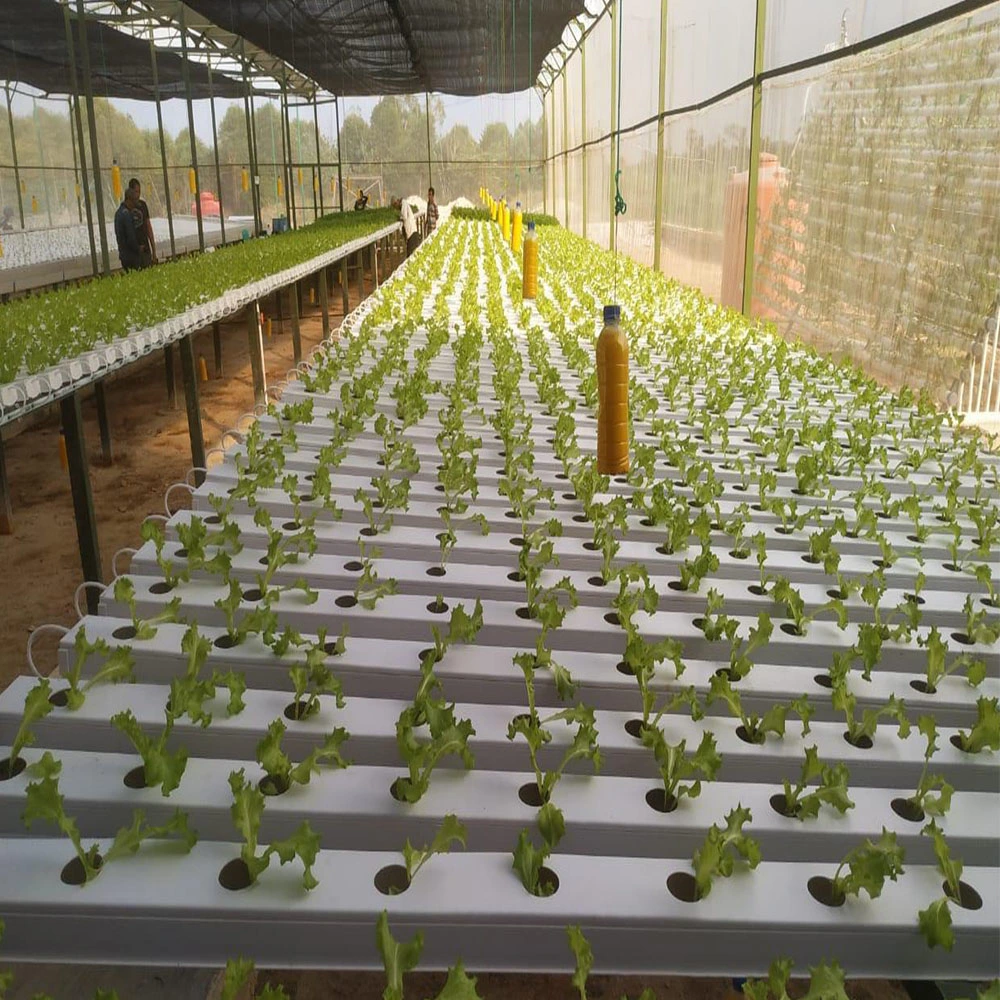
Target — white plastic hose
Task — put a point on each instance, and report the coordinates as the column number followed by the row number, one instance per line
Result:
column 85, row 586
column 170, row 490
column 35, row 632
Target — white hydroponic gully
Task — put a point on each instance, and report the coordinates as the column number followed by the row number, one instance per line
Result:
column 161, row 906
column 889, row 763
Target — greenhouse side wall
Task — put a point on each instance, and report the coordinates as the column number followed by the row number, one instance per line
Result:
column 877, row 209
column 883, row 245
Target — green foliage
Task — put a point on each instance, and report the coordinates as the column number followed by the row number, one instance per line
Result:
column 722, row 848
column 44, row 802
column 831, row 791
column 451, row 831
column 867, row 867
column 247, row 811
column 61, row 324
column 277, row 764
column 36, row 707
column 398, row 958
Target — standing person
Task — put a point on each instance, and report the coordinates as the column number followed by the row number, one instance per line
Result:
column 129, row 251
column 432, row 212
column 362, row 201
column 409, row 224
column 147, row 244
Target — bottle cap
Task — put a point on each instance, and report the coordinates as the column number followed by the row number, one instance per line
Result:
column 531, row 227
column 517, row 204
column 612, row 314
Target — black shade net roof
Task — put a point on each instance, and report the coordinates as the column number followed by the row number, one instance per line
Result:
column 33, row 50
column 367, row 47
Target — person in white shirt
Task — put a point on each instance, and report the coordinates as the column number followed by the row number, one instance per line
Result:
column 409, row 224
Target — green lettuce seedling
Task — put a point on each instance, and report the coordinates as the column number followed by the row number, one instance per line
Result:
column 868, row 866
column 118, row 666
column 278, row 766
column 584, row 957
column 247, row 811
column 985, row 732
column 935, row 920
column 36, row 707
column 756, row 727
column 682, row 774
column 529, row 859
column 450, row 832
column 933, row 794
column 722, row 848
column 397, row 958
column 144, row 628
column 860, row 732
column 938, row 668
column 826, row 982
column 314, row 678
column 44, row 802
column 831, row 791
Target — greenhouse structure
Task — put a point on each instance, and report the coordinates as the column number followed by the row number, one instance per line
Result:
column 550, row 445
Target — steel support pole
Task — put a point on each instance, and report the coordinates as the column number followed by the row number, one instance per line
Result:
column 340, row 176
column 754, row 171
column 286, row 155
column 361, row 276
column 294, row 166
column 612, row 242
column 85, row 179
column 6, row 510
column 660, row 141
column 256, row 345
column 95, row 155
column 168, row 365
column 76, row 161
column 193, row 405
column 103, row 424
column 215, row 149
column 41, row 159
column 565, row 146
column 217, row 346
column 13, row 150
column 324, row 301
column 344, row 294
column 318, row 186
column 583, row 131
column 251, row 143
column 293, row 304
column 163, row 145
column 186, row 76
column 427, row 114
column 83, row 499
column 545, row 156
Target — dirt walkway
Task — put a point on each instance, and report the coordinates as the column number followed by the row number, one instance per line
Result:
column 40, row 563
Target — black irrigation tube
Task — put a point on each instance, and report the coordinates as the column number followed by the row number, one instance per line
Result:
column 901, row 31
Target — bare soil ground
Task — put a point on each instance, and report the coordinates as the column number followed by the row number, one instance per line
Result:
column 40, row 569
column 40, row 563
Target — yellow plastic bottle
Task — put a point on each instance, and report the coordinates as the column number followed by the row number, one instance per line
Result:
column 116, row 180
column 506, row 223
column 192, row 180
column 612, row 394
column 493, row 210
column 529, row 264
column 515, row 229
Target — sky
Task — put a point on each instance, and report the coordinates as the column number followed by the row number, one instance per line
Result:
column 722, row 28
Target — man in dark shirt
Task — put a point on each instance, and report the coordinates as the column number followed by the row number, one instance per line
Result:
column 432, row 212
column 144, row 228
column 129, row 251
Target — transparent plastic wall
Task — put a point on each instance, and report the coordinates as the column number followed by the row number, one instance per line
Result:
column 880, row 230
column 703, row 218
column 598, row 152
column 574, row 139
